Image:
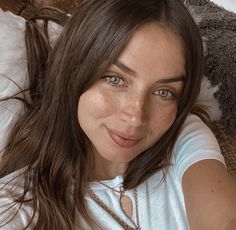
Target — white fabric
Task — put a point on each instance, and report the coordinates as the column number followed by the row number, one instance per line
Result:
column 13, row 67
column 207, row 99
column 161, row 206
column 227, row 4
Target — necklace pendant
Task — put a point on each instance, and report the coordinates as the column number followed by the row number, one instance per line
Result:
column 126, row 205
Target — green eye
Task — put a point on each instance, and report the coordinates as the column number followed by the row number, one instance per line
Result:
column 165, row 94
column 114, row 80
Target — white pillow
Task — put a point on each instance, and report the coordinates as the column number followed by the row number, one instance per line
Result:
column 206, row 98
column 227, row 4
column 13, row 67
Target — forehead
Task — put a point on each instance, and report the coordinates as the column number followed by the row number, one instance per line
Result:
column 154, row 49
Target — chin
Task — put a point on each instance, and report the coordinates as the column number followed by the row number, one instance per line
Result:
column 120, row 158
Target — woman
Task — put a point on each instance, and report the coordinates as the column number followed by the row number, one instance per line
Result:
column 109, row 140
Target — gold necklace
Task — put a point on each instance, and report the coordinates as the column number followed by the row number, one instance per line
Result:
column 108, row 210
column 122, row 199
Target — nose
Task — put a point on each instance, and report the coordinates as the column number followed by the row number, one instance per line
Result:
column 135, row 110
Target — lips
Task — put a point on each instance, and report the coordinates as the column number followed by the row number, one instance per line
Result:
column 123, row 140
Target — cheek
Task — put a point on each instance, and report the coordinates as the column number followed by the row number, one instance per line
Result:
column 95, row 103
column 163, row 120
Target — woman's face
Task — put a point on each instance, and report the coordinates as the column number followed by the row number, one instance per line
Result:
column 135, row 101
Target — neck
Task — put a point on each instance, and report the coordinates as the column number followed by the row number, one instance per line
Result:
column 107, row 170
column 107, row 173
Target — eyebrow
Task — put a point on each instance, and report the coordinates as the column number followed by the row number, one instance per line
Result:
column 125, row 68
column 132, row 72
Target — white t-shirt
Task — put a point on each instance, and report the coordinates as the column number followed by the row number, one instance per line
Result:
column 161, row 205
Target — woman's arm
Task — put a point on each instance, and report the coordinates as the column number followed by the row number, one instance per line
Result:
column 210, row 196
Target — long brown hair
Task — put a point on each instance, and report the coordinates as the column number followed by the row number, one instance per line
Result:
column 48, row 140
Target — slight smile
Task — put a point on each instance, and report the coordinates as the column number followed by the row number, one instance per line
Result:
column 123, row 140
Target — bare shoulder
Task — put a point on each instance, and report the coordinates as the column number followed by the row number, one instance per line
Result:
column 210, row 196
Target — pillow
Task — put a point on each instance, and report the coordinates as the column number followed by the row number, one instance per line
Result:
column 218, row 28
column 13, row 67
column 227, row 4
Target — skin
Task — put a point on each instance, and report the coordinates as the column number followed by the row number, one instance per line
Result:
column 210, row 201
column 135, row 101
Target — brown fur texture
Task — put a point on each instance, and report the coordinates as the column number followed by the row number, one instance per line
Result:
column 218, row 27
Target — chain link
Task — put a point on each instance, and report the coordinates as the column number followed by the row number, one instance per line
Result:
column 114, row 216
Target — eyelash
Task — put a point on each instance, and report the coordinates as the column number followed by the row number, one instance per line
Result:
column 110, row 79
column 169, row 96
